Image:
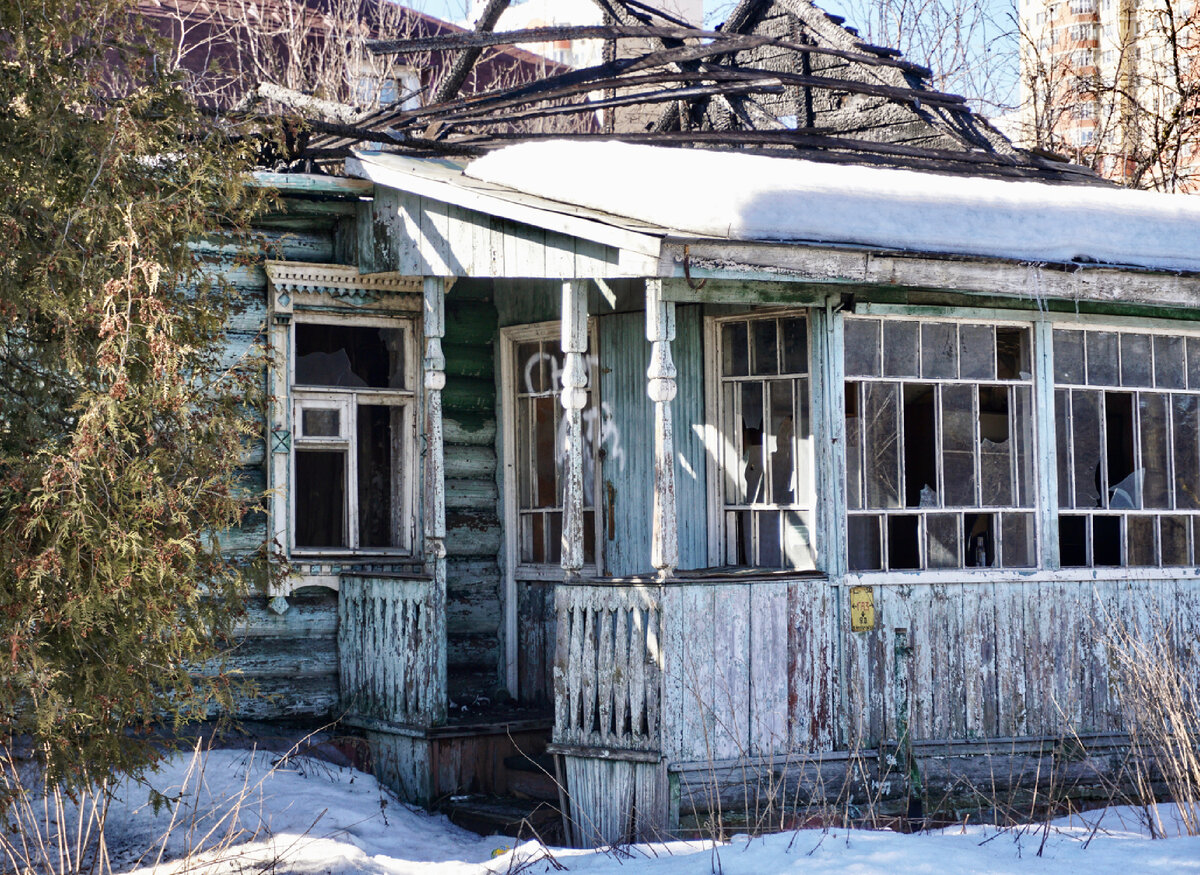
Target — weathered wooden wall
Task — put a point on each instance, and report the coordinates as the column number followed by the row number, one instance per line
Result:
column 1004, row 659
column 290, row 658
column 628, row 417
column 474, row 613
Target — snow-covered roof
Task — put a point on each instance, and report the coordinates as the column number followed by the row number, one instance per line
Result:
column 758, row 198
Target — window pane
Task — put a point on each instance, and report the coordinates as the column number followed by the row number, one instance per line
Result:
column 765, row 358
column 1124, row 480
column 795, row 345
column 1017, row 535
column 977, row 352
column 1142, row 547
column 554, row 537
column 900, row 349
column 797, row 542
column 1022, row 429
column 1102, row 358
column 903, row 536
column 881, row 439
column 731, row 433
column 1106, row 540
column 1193, row 362
column 1155, row 452
column 1072, row 541
column 1136, row 360
column 781, row 460
column 769, row 553
column 1068, row 357
column 320, row 496
column 853, row 448
column 1086, row 442
column 1013, row 354
column 942, row 540
column 523, row 451
column 1170, row 371
column 939, row 350
column 545, row 452
column 920, row 446
column 735, row 353
column 1174, row 532
column 752, row 441
column 1187, row 451
column 862, row 348
column 863, row 543
column 320, row 422
column 353, row 356
column 589, row 537
column 378, row 490
column 979, row 532
column 995, row 451
column 1062, row 435
column 531, row 368
column 958, row 445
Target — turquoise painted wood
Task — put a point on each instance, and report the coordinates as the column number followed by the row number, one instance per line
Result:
column 628, row 417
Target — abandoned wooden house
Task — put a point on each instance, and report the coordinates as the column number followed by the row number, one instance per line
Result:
column 826, row 468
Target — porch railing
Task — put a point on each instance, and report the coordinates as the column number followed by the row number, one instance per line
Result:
column 607, row 673
column 392, row 645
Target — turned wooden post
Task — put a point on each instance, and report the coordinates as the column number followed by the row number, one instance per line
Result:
column 574, row 399
column 434, row 369
column 660, row 331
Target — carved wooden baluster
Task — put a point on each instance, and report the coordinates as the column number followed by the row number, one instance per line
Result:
column 574, row 399
column 434, row 368
column 660, row 331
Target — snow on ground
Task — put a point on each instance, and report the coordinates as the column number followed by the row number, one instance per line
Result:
column 756, row 197
column 311, row 817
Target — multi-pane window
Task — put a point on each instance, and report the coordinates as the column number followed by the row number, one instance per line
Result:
column 539, row 450
column 766, row 447
column 1127, row 418
column 939, row 445
column 353, row 414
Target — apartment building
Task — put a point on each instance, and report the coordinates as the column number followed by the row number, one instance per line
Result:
column 1114, row 84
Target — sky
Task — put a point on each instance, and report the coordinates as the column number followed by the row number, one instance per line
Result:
column 454, row 10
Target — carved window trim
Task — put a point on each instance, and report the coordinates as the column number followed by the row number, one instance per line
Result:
column 299, row 292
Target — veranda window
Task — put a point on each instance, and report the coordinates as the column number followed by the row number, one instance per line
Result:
column 766, row 442
column 939, row 445
column 1126, row 414
column 539, row 445
column 354, row 421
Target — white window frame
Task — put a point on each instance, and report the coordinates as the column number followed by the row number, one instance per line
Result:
column 1037, row 508
column 337, row 294
column 510, row 338
column 716, row 441
column 347, row 402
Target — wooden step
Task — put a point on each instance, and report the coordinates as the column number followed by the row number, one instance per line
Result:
column 506, row 815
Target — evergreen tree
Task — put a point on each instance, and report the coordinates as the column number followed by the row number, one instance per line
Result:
column 121, row 424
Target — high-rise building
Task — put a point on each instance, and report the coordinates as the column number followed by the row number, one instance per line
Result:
column 1114, row 84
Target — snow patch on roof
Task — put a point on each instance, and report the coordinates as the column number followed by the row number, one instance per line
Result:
column 755, row 197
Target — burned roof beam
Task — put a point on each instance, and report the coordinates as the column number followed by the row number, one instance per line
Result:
column 465, row 61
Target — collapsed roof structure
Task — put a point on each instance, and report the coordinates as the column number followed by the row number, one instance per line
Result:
column 780, row 76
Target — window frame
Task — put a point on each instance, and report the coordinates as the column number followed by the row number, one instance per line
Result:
column 718, row 544
column 1036, row 508
column 349, row 400
column 337, row 294
column 510, row 338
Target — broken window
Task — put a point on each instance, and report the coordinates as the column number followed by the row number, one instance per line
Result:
column 766, row 454
column 354, row 416
column 539, row 445
column 939, row 445
column 1126, row 407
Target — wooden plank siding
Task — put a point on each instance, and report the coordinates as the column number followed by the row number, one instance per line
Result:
column 628, row 457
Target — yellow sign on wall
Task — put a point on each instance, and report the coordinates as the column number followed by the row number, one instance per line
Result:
column 862, row 609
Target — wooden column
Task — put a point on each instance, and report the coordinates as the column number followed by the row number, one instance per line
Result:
column 574, row 399
column 434, row 369
column 660, row 331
